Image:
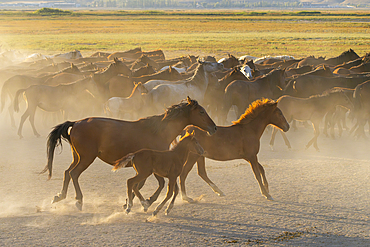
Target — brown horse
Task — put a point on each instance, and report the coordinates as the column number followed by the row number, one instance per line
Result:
column 229, row 62
column 110, row 140
column 60, row 98
column 242, row 93
column 17, row 82
column 238, row 141
column 166, row 164
column 313, row 108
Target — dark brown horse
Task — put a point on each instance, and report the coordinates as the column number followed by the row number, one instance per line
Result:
column 213, row 98
column 110, row 139
column 229, row 62
column 166, row 164
column 313, row 108
column 238, row 141
column 242, row 93
column 362, row 106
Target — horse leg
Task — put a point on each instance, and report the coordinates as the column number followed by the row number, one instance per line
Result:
column 11, row 114
column 67, row 177
column 75, row 173
column 316, row 126
column 272, row 140
column 286, row 141
column 170, row 191
column 136, row 180
column 25, row 115
column 201, row 163
column 258, row 175
column 154, row 197
column 170, row 206
column 192, row 158
column 32, row 121
column 264, row 179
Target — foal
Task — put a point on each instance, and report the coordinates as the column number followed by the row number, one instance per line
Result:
column 167, row 164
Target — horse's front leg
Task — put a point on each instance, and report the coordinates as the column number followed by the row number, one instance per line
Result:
column 316, row 126
column 201, row 163
column 170, row 191
column 155, row 195
column 259, row 175
column 192, row 158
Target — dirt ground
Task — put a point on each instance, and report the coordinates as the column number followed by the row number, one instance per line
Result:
column 320, row 198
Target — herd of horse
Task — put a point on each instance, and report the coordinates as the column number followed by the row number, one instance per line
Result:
column 141, row 102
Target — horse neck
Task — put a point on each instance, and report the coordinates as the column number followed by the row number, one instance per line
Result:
column 226, row 80
column 200, row 77
column 104, row 76
column 182, row 151
column 173, row 128
column 258, row 124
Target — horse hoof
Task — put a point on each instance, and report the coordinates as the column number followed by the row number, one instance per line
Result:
column 220, row 193
column 145, row 205
column 155, row 212
column 57, row 198
column 124, row 206
column 188, row 199
column 268, row 197
column 79, row 205
column 272, row 148
column 128, row 210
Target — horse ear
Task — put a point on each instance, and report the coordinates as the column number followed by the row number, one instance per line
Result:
column 189, row 100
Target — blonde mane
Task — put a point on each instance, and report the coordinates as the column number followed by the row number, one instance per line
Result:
column 254, row 110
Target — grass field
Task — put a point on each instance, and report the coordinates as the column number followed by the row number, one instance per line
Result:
column 189, row 32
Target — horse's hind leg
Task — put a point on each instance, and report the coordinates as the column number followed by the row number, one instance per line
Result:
column 201, row 163
column 66, row 179
column 264, row 179
column 11, row 114
column 82, row 165
column 286, row 141
column 132, row 185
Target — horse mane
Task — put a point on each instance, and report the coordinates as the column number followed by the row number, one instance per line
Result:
column 159, row 122
column 254, row 110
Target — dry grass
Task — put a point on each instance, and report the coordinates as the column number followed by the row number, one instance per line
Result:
column 299, row 36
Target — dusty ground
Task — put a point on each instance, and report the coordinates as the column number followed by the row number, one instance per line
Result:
column 321, row 199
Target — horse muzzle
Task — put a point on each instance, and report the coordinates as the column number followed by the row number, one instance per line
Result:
column 212, row 130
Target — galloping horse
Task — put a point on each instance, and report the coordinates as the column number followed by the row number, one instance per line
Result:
column 56, row 98
column 111, row 139
column 313, row 108
column 17, row 82
column 238, row 141
column 167, row 164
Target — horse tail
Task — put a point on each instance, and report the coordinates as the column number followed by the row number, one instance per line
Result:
column 126, row 161
column 16, row 99
column 55, row 139
column 4, row 93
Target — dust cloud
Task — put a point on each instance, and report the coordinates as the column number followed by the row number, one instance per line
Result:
column 326, row 192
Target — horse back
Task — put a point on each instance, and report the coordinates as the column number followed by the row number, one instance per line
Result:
column 111, row 139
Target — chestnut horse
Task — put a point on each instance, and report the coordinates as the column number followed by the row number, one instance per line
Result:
column 111, row 139
column 162, row 163
column 241, row 140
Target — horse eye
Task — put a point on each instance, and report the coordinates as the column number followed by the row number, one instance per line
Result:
column 201, row 112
